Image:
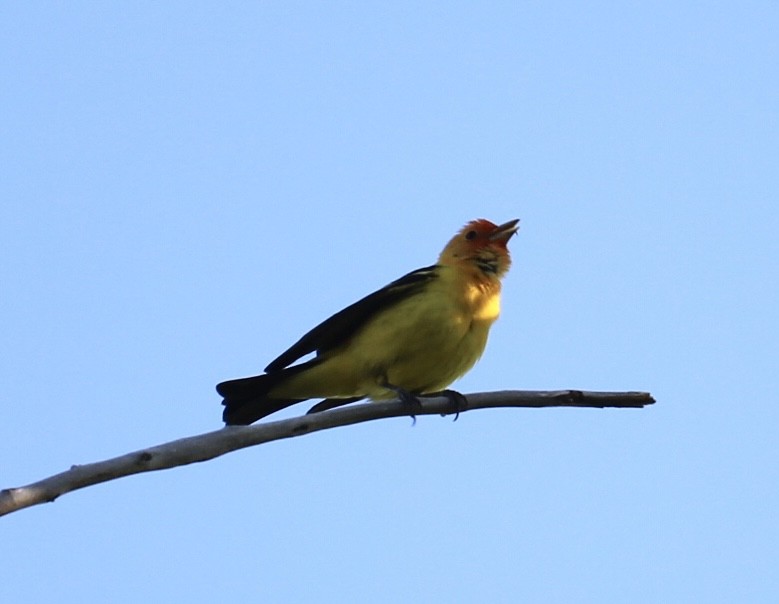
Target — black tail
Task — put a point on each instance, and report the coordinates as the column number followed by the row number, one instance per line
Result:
column 246, row 399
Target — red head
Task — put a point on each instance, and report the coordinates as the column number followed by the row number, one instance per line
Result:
column 483, row 245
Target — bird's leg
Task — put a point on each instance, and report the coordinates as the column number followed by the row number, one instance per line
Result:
column 407, row 398
column 458, row 400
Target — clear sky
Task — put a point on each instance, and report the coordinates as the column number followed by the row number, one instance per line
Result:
column 187, row 187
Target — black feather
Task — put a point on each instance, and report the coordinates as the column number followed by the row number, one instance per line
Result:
column 246, row 399
column 344, row 324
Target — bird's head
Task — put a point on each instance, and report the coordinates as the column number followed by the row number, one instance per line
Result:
column 482, row 245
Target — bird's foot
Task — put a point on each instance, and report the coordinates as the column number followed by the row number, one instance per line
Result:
column 457, row 399
column 407, row 398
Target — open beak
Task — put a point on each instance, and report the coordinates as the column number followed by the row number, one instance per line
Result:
column 505, row 231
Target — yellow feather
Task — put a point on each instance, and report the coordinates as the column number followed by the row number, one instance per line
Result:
column 419, row 334
column 421, row 344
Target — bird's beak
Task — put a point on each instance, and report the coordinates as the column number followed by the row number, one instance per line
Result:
column 505, row 231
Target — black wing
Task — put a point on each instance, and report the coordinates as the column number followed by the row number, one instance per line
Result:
column 344, row 324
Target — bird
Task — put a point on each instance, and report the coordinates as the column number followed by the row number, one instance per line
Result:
column 411, row 338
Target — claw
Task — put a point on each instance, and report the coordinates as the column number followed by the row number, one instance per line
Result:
column 407, row 398
column 457, row 399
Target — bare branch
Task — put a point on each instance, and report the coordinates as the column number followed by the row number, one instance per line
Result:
column 213, row 444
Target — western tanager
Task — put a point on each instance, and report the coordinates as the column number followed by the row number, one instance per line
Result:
column 412, row 337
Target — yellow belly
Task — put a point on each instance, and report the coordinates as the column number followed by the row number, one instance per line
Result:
column 421, row 344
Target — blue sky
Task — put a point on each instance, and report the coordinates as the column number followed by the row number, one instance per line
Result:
column 188, row 187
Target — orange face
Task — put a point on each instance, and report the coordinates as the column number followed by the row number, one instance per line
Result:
column 482, row 244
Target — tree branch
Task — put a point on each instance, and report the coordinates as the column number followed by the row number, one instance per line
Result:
column 213, row 444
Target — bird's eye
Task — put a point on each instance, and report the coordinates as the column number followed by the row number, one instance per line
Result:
column 470, row 235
